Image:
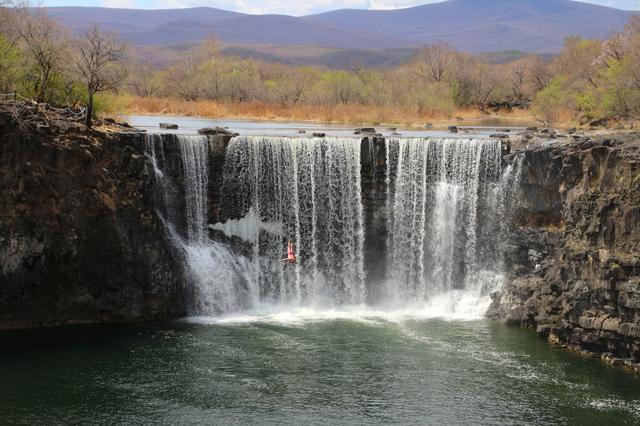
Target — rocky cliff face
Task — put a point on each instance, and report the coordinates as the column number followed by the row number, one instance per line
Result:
column 575, row 256
column 79, row 237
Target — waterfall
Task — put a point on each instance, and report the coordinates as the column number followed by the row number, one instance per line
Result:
column 216, row 274
column 306, row 190
column 194, row 153
column 442, row 200
column 448, row 212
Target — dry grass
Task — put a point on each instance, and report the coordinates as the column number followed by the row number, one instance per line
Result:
column 338, row 114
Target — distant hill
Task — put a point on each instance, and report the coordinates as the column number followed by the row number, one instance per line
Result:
column 475, row 26
column 487, row 25
column 329, row 57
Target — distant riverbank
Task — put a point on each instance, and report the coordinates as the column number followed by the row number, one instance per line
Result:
column 338, row 114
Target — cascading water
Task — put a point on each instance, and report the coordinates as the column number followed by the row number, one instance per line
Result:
column 195, row 158
column 216, row 273
column 447, row 215
column 306, row 190
column 446, row 207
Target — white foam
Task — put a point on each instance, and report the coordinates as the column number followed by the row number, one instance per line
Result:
column 455, row 306
column 248, row 228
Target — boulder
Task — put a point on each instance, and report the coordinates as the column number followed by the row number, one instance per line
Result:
column 216, row 131
column 169, row 126
column 365, row 131
column 453, row 129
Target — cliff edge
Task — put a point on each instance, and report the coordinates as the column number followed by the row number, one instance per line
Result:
column 575, row 253
column 80, row 240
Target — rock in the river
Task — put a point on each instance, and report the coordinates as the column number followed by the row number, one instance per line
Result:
column 216, row 131
column 453, row 129
column 168, row 126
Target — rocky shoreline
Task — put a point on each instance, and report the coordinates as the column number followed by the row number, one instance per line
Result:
column 574, row 262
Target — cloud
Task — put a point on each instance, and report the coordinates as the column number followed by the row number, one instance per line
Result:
column 122, row 4
column 397, row 4
column 285, row 7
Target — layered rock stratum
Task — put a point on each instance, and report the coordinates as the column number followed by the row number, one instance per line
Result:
column 574, row 262
column 80, row 240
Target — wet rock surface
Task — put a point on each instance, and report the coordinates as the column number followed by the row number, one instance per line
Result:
column 575, row 255
column 79, row 237
column 216, row 131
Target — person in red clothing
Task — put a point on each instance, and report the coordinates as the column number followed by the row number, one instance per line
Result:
column 291, row 255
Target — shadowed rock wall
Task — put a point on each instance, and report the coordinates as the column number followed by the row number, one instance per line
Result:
column 575, row 257
column 79, row 237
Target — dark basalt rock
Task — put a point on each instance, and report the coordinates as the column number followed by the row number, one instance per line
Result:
column 453, row 129
column 168, row 126
column 216, row 131
column 365, row 131
column 80, row 240
column 575, row 262
column 319, row 135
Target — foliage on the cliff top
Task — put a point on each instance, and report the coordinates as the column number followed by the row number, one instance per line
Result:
column 588, row 81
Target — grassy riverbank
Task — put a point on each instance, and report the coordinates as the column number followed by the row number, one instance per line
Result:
column 336, row 114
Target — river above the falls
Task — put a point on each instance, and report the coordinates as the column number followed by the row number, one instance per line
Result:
column 305, row 367
column 190, row 125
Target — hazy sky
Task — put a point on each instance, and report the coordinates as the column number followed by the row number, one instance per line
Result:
column 289, row 7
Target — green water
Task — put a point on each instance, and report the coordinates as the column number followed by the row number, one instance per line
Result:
column 329, row 371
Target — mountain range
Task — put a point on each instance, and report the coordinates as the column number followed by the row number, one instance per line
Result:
column 538, row 26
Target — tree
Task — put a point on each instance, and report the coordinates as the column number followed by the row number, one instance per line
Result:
column 9, row 58
column 577, row 60
column 99, row 54
column 539, row 74
column 434, row 61
column 552, row 102
column 46, row 45
column 143, row 79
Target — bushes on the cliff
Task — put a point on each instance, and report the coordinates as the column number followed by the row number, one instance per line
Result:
column 40, row 60
column 555, row 102
column 587, row 81
column 595, row 80
column 9, row 64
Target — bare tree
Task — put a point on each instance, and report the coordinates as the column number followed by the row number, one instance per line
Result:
column 433, row 61
column 539, row 74
column 97, row 62
column 142, row 79
column 46, row 44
